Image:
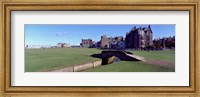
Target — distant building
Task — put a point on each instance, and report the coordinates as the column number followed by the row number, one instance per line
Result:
column 63, row 45
column 59, row 45
column 120, row 45
column 139, row 37
column 104, row 42
column 87, row 43
column 98, row 44
column 75, row 46
column 110, row 42
column 165, row 42
column 37, row 46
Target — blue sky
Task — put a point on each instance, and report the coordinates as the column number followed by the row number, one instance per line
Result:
column 51, row 34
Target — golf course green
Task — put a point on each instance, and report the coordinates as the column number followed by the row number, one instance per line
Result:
column 45, row 59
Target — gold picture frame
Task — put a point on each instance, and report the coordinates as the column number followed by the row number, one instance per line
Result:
column 120, row 5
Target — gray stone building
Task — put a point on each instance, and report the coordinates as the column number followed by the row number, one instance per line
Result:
column 165, row 42
column 111, row 42
column 139, row 37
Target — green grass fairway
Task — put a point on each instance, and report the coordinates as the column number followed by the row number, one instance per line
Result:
column 137, row 66
column 165, row 55
column 44, row 59
column 130, row 66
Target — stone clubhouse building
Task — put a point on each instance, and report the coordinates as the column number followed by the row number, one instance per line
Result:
column 139, row 37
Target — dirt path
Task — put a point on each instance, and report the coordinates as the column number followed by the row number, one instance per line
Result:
column 160, row 63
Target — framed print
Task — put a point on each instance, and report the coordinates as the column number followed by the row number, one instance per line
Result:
column 98, row 48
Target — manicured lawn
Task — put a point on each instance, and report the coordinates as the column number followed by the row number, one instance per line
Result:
column 130, row 66
column 165, row 55
column 136, row 66
column 44, row 59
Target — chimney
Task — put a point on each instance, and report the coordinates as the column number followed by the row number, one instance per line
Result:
column 149, row 27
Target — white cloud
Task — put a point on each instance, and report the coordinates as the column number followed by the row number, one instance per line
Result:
column 58, row 34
